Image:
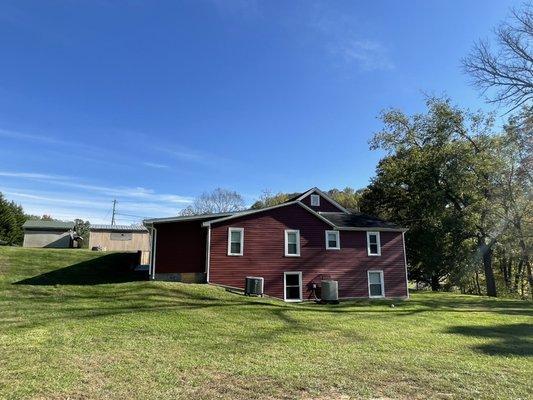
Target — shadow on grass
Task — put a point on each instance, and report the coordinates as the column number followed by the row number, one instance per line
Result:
column 110, row 268
column 509, row 340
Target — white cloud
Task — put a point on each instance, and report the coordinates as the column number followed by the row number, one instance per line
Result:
column 155, row 165
column 135, row 192
column 369, row 55
column 343, row 36
column 33, row 138
column 31, row 175
column 66, row 197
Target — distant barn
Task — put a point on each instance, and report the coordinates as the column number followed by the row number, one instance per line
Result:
column 54, row 234
column 120, row 238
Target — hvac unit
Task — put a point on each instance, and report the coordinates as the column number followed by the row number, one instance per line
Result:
column 254, row 286
column 329, row 291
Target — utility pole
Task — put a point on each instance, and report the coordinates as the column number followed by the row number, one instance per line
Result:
column 113, row 217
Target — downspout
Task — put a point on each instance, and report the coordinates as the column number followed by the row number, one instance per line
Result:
column 153, row 252
column 405, row 263
column 207, row 253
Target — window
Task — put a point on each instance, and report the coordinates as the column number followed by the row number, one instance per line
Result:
column 235, row 241
column 332, row 240
column 376, row 287
column 373, row 243
column 292, row 286
column 120, row 236
column 315, row 200
column 292, row 243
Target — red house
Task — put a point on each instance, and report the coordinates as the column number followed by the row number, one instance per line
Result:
column 293, row 246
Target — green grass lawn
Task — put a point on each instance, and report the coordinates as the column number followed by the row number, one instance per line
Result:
column 67, row 334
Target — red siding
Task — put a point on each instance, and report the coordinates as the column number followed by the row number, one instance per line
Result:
column 180, row 247
column 325, row 205
column 264, row 254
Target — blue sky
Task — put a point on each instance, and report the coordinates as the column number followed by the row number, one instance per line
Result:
column 153, row 103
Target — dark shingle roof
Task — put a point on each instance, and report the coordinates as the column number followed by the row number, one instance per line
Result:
column 357, row 220
column 55, row 225
column 119, row 228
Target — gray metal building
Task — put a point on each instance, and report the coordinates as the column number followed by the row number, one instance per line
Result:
column 53, row 234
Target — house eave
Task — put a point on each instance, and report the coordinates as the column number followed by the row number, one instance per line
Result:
column 370, row 228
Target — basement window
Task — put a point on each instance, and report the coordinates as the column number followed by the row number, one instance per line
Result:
column 315, row 200
column 373, row 243
column 292, row 243
column 292, row 286
column 376, row 286
column 332, row 240
column 235, row 241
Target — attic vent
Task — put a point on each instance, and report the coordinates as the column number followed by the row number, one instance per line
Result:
column 315, row 200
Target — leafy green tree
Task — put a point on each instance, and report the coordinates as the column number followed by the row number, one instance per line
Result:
column 83, row 229
column 269, row 199
column 348, row 197
column 11, row 219
column 438, row 180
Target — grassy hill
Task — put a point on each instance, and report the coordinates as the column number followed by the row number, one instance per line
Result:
column 65, row 333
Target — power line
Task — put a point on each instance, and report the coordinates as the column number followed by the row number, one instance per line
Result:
column 132, row 215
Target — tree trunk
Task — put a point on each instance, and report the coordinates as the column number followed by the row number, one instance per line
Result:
column 435, row 284
column 518, row 276
column 530, row 279
column 525, row 259
column 478, row 286
column 486, row 253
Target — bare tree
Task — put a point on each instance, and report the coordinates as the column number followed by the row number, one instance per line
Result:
column 509, row 69
column 217, row 201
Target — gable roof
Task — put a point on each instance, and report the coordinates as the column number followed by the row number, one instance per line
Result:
column 187, row 218
column 326, row 196
column 44, row 225
column 358, row 221
column 118, row 228
column 250, row 212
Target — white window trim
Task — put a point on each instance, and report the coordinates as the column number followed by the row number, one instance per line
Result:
column 241, row 230
column 287, row 231
column 317, row 198
column 338, row 247
column 285, row 286
column 382, row 283
column 368, row 233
